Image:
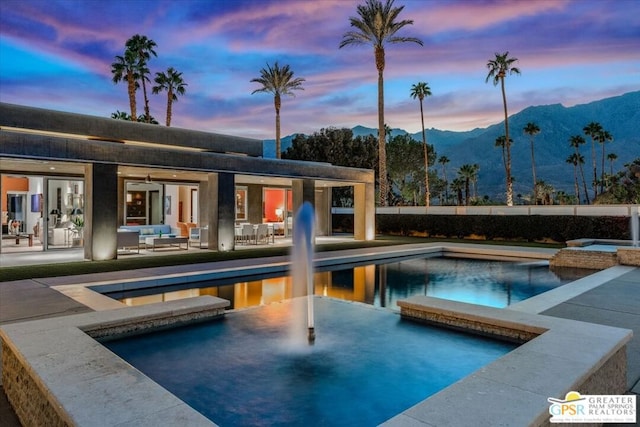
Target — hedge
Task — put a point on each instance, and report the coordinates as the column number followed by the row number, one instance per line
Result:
column 492, row 227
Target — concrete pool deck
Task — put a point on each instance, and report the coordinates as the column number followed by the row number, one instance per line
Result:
column 610, row 297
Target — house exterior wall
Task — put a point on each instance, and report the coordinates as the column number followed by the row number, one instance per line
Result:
column 103, row 145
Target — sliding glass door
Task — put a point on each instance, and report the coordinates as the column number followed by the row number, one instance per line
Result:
column 65, row 213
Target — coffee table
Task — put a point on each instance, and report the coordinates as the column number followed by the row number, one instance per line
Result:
column 17, row 237
column 166, row 241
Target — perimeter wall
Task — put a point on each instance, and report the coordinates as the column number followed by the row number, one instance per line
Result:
column 519, row 223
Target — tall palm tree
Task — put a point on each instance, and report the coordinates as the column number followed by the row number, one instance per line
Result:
column 499, row 67
column 125, row 68
column 576, row 141
column 603, row 137
column 612, row 157
column 592, row 130
column 501, row 142
column 574, row 160
column 142, row 47
column 376, row 25
column 532, row 130
column 443, row 160
column 278, row 81
column 172, row 82
column 420, row 90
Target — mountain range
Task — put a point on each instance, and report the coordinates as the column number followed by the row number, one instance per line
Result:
column 619, row 115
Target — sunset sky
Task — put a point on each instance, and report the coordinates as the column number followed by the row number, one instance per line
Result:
column 57, row 54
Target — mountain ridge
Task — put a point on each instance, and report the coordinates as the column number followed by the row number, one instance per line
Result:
column 620, row 115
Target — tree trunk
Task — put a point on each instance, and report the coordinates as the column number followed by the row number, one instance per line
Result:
column 595, row 171
column 277, row 103
column 466, row 192
column 169, row 106
column 427, row 192
column 382, row 148
column 575, row 180
column 533, row 170
column 147, row 116
column 131, row 87
column 584, row 184
column 446, row 183
column 508, row 146
column 602, row 169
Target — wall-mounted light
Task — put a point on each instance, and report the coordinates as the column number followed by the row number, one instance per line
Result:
column 148, row 179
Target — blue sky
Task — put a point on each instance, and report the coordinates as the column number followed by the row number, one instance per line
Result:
column 57, row 54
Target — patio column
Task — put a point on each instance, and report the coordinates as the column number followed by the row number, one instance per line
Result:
column 100, row 211
column 364, row 212
column 203, row 204
column 304, row 190
column 323, row 211
column 222, row 198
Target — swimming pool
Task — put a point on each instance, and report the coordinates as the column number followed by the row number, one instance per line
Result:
column 491, row 283
column 367, row 364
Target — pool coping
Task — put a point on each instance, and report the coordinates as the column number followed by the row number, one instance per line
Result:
column 90, row 293
column 566, row 355
column 55, row 372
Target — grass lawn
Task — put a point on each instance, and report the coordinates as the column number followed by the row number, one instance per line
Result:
column 90, row 267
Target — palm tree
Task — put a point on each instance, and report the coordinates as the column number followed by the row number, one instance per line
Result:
column 498, row 69
column 420, row 90
column 532, row 130
column 278, row 81
column 457, row 185
column 443, row 160
column 172, row 82
column 592, row 130
column 545, row 190
column 575, row 159
column 126, row 69
column 120, row 115
column 152, row 120
column 142, row 47
column 612, row 158
column 603, row 137
column 376, row 25
column 467, row 173
column 576, row 141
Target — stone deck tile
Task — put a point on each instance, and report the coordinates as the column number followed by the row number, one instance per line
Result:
column 615, row 303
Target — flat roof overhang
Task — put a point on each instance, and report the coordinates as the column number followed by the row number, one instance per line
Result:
column 72, row 125
column 26, row 150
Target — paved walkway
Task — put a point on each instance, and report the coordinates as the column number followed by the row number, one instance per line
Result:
column 615, row 302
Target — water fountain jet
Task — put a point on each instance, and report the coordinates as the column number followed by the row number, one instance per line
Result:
column 302, row 262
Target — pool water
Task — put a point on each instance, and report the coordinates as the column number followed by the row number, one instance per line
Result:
column 491, row 283
column 367, row 364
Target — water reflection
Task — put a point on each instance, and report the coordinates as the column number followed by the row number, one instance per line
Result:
column 491, row 283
